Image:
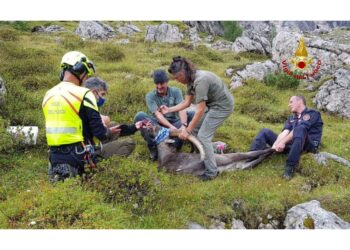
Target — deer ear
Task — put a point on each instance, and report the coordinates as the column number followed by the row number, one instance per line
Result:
column 169, row 141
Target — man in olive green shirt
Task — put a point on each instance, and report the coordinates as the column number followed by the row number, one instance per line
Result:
column 163, row 95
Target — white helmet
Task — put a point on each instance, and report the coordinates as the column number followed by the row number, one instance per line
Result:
column 78, row 63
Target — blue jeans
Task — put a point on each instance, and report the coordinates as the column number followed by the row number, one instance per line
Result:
column 300, row 142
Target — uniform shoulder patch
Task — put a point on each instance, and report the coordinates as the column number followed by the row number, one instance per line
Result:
column 306, row 117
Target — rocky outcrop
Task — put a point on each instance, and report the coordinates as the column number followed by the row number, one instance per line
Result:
column 94, row 30
column 164, row 33
column 214, row 28
column 311, row 215
column 334, row 95
column 313, row 25
column 332, row 55
column 193, row 35
column 256, row 70
column 48, row 29
column 128, row 30
column 2, row 91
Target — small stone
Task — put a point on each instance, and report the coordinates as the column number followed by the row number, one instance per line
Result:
column 32, row 223
column 269, row 216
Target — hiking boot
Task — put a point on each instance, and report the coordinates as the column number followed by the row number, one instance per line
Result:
column 288, row 172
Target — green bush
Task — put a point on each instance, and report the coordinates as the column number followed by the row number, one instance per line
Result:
column 21, row 26
column 111, row 53
column 281, row 81
column 123, row 180
column 8, row 35
column 73, row 42
column 232, row 30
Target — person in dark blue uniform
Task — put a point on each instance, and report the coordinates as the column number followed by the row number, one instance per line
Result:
column 302, row 132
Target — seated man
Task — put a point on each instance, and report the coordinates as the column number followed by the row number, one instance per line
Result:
column 163, row 95
column 110, row 146
column 302, row 132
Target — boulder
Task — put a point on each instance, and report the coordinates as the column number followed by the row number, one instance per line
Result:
column 164, row 33
column 237, row 224
column 194, row 225
column 48, row 29
column 217, row 224
column 214, row 28
column 334, row 94
column 94, row 30
column 256, row 70
column 128, row 30
column 193, row 35
column 322, row 158
column 2, row 91
column 246, row 44
column 311, row 215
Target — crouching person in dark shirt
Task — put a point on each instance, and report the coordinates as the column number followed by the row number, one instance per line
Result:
column 111, row 146
column 302, row 132
column 72, row 120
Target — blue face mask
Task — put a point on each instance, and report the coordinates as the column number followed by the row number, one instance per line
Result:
column 100, row 101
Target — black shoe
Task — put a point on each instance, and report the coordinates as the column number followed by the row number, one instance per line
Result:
column 288, row 172
column 205, row 177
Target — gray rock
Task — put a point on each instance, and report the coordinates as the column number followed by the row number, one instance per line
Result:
column 211, row 27
column 94, row 30
column 193, row 35
column 236, row 82
column 48, row 29
column 229, row 72
column 237, row 224
column 194, row 225
column 265, row 226
column 322, row 157
column 128, row 30
column 209, row 39
column 164, row 33
column 222, row 45
column 2, row 90
column 217, row 224
column 334, row 95
column 245, row 44
column 275, row 224
column 312, row 213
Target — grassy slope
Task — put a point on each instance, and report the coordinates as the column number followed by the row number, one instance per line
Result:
column 130, row 193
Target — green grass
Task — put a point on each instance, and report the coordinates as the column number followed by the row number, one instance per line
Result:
column 130, row 193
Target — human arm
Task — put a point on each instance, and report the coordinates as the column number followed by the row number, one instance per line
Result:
column 200, row 109
column 282, row 139
column 182, row 105
column 163, row 121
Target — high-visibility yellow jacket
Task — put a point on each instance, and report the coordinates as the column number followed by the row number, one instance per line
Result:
column 61, row 107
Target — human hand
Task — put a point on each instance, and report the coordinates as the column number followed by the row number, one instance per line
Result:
column 143, row 124
column 184, row 134
column 163, row 109
column 279, row 147
column 115, row 130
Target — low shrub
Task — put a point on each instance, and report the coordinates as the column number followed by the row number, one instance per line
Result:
column 232, row 30
column 111, row 53
column 127, row 181
column 281, row 81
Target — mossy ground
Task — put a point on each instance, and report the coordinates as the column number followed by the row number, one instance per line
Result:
column 130, row 193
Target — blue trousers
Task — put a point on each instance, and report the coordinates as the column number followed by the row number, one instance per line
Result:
column 150, row 143
column 300, row 142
